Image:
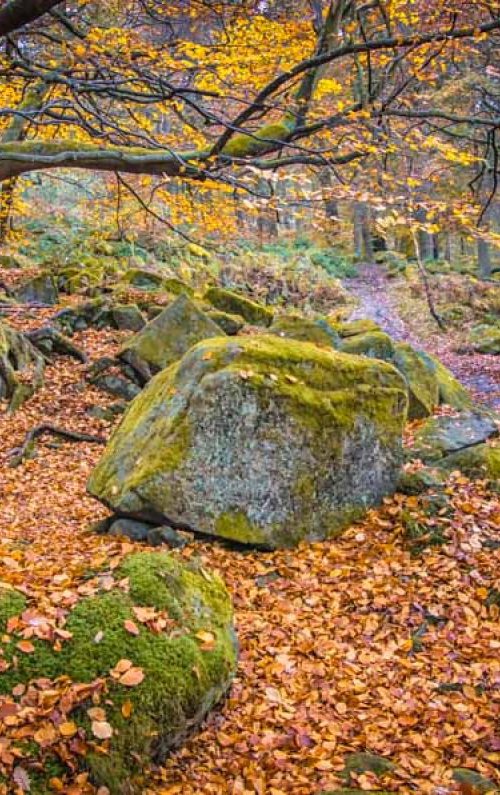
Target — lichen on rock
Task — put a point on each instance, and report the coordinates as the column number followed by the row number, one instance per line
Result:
column 169, row 335
column 261, row 440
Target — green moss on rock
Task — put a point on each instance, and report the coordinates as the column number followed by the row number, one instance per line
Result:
column 423, row 387
column 451, row 391
column 439, row 437
column 485, row 339
column 306, row 330
column 352, row 328
column 230, row 324
column 182, row 681
column 261, row 439
column 169, row 335
column 375, row 344
column 481, row 461
column 229, row 301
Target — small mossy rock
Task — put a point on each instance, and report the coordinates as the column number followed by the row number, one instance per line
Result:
column 438, row 437
column 166, row 339
column 481, row 461
column 130, row 528
column 485, row 339
column 230, row 324
column 38, row 290
column 352, row 328
column 305, row 330
column 451, row 391
column 375, row 344
column 186, row 671
column 177, row 287
column 116, row 386
column 107, row 413
column 144, row 279
column 476, row 783
column 127, row 317
column 364, row 762
column 79, row 318
column 259, row 440
column 414, row 483
column 10, row 261
column 423, row 389
column 236, row 304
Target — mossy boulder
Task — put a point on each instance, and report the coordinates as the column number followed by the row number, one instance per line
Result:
column 230, row 324
column 451, row 392
column 38, row 290
column 481, row 461
column 127, row 317
column 169, row 335
column 22, row 367
column 423, row 389
column 177, row 287
column 439, row 437
column 296, row 327
column 485, row 339
column 236, row 304
column 258, row 439
column 352, row 328
column 375, row 344
column 143, row 279
column 187, row 666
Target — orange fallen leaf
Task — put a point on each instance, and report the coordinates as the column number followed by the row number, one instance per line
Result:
column 68, row 728
column 102, row 729
column 25, row 646
column 131, row 627
column 132, row 677
column 127, row 709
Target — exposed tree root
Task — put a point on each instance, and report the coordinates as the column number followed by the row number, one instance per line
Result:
column 21, row 367
column 19, row 454
column 48, row 339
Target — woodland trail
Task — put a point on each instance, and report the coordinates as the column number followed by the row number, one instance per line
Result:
column 373, row 289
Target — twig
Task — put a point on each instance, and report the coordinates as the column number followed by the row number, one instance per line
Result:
column 18, row 454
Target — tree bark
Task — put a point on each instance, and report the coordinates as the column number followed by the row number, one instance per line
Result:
column 17, row 13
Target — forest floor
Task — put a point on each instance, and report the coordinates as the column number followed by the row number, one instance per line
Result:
column 354, row 644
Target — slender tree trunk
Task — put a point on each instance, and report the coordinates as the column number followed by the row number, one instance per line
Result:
column 484, row 259
column 363, row 243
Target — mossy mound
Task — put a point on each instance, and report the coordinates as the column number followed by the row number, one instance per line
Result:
column 177, row 287
column 236, row 304
column 127, row 317
column 168, row 336
column 414, row 483
column 303, row 329
column 481, row 461
column 485, row 339
column 230, row 324
column 352, row 328
column 423, row 389
column 375, row 344
column 187, row 666
column 258, row 439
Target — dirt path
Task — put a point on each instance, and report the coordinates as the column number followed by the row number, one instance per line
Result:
column 481, row 374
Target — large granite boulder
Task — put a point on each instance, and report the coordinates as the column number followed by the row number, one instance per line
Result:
column 423, row 388
column 165, row 339
column 375, row 344
column 164, row 650
column 296, row 327
column 439, row 437
column 258, row 439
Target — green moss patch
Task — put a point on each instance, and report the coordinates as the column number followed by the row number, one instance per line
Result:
column 183, row 678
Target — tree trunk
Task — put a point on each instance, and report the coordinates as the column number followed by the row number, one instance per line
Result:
column 363, row 243
column 484, row 258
